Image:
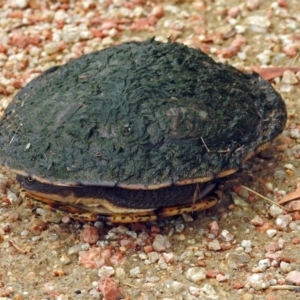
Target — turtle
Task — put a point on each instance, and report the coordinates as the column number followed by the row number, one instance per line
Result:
column 137, row 131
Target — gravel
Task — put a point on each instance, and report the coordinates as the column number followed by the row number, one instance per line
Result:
column 244, row 248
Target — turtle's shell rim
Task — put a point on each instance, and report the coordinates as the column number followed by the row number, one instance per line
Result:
column 78, row 183
column 186, row 181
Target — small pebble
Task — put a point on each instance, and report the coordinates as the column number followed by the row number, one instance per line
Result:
column 120, row 272
column 273, row 281
column 18, row 3
column 257, row 221
column 51, row 48
column 226, row 236
column 275, row 210
column 282, row 221
column 285, row 267
column 13, row 198
column 238, row 201
column 70, row 35
column 264, row 262
column 36, row 226
column 214, row 245
column 287, row 88
column 264, row 57
column 246, row 243
column 289, row 77
column 269, row 186
column 281, row 243
column 247, row 296
column 24, row 233
column 161, row 243
column 196, row 274
column 195, row 291
column 65, row 259
column 75, row 249
column 153, row 257
column 258, row 281
column 109, row 288
column 106, row 271
column 280, row 175
column 135, row 272
column 271, row 233
column 175, row 286
column 89, row 234
column 272, row 247
column 169, row 257
column 208, row 292
column 152, row 279
column 187, row 217
column 221, row 277
column 214, row 228
column 293, row 277
column 295, row 133
column 235, row 261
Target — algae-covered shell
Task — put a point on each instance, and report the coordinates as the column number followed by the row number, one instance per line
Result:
column 140, row 115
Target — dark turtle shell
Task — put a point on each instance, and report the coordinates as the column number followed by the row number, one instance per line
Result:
column 140, row 115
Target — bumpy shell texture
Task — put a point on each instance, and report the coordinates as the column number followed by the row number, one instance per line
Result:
column 138, row 113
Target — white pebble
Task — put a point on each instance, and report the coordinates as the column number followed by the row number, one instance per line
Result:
column 75, row 249
column 246, row 243
column 70, row 36
column 294, row 132
column 282, row 221
column 120, row 272
column 106, row 271
column 285, row 267
column 85, row 35
column 134, row 272
column 65, row 259
column 35, row 51
column 275, row 211
column 289, row 166
column 293, row 226
column 161, row 243
column 263, row 264
column 226, row 236
column 258, row 281
column 122, row 229
column 273, row 281
column 289, row 77
column 51, row 48
column 18, row 3
column 247, row 250
column 287, row 88
column 195, row 291
column 152, row 279
column 179, row 227
column 132, row 234
column 24, row 233
column 196, row 274
column 264, row 57
column 271, row 233
column 13, row 198
column 143, row 256
column 269, row 186
column 240, row 28
column 163, row 266
column 153, row 257
column 242, row 55
column 214, row 245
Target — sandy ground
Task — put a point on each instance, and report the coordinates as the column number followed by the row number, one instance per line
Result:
column 244, row 248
